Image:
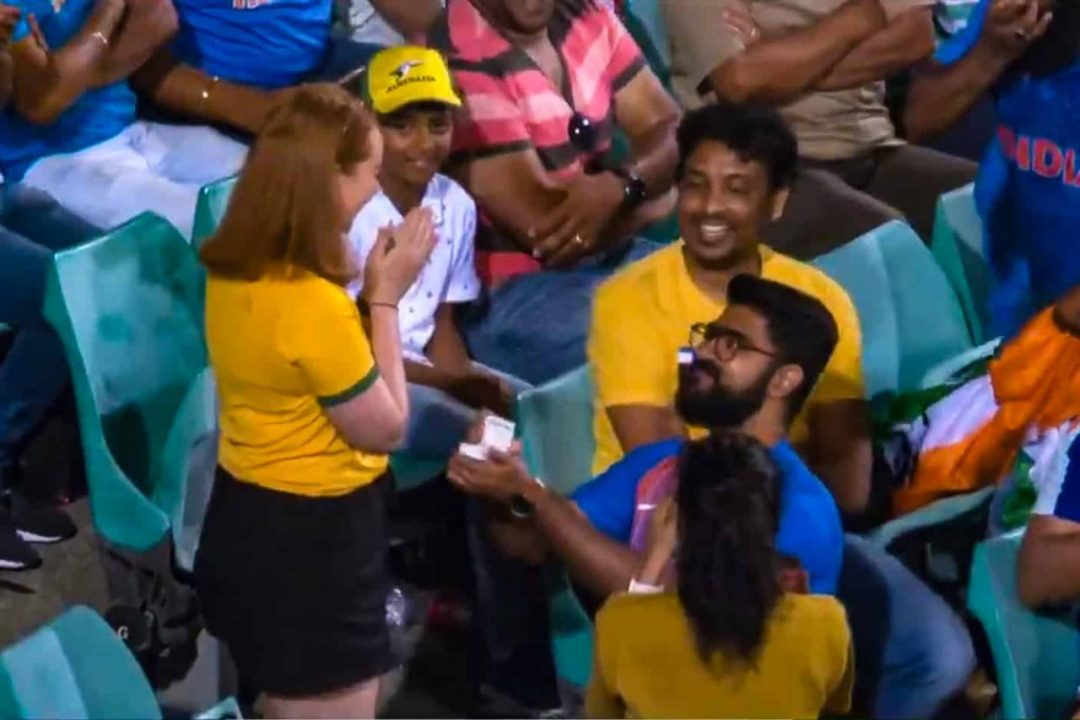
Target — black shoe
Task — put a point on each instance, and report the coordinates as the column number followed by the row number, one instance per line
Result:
column 39, row 522
column 15, row 553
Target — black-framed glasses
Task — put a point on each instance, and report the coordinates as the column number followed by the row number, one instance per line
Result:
column 726, row 343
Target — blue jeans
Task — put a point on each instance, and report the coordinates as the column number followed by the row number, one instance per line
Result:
column 912, row 652
column 32, row 227
column 535, row 326
column 439, row 422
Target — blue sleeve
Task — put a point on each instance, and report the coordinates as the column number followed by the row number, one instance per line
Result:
column 608, row 500
column 810, row 527
column 961, row 43
column 22, row 28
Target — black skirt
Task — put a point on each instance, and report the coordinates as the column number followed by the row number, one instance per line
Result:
column 296, row 586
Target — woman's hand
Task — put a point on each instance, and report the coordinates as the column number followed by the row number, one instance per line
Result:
column 396, row 259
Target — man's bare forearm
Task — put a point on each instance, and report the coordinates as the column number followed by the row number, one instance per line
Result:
column 601, row 565
column 939, row 95
column 47, row 82
column 775, row 70
column 907, row 40
column 7, row 78
column 411, row 18
column 136, row 41
column 191, row 92
column 1049, row 568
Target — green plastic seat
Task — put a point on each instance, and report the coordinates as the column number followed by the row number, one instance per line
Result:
column 645, row 22
column 909, row 315
column 76, row 667
column 957, row 246
column 1037, row 655
column 128, row 308
column 210, row 209
column 555, row 423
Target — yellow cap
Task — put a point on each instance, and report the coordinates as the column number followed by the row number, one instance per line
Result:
column 407, row 74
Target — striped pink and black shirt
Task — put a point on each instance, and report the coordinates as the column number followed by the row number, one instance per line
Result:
column 512, row 106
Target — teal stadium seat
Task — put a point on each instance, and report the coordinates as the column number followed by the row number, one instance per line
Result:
column 957, row 245
column 128, row 308
column 210, row 209
column 555, row 422
column 910, row 318
column 1037, row 655
column 76, row 667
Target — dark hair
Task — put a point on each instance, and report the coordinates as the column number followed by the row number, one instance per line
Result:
column 757, row 134
column 801, row 328
column 729, row 508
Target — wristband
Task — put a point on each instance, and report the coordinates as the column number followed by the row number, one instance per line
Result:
column 383, row 304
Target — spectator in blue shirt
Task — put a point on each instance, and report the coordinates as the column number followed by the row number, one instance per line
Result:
column 34, row 372
column 1027, row 53
column 71, row 129
column 752, row 372
column 232, row 62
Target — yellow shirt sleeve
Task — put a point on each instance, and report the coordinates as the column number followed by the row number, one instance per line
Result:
column 326, row 341
column 843, row 376
column 601, row 699
column 839, row 700
column 620, row 339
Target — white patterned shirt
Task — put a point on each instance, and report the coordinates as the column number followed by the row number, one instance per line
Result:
column 450, row 273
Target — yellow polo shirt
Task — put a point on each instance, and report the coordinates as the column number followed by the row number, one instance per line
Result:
column 647, row 666
column 283, row 348
column 642, row 316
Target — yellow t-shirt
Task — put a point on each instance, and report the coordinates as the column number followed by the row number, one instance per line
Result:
column 283, row 348
column 647, row 665
column 642, row 316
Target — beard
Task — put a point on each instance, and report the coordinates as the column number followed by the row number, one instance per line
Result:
column 716, row 407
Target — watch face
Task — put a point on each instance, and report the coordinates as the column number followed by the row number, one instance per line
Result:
column 634, row 191
column 520, row 507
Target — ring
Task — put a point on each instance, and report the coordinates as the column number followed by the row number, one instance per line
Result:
column 578, row 240
column 1020, row 34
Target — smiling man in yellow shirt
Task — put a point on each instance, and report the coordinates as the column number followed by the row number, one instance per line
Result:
column 736, row 164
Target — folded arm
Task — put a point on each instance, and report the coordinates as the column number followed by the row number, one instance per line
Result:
column 48, row 82
column 779, row 68
column 906, row 40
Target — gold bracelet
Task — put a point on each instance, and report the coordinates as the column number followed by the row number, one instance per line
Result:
column 209, row 87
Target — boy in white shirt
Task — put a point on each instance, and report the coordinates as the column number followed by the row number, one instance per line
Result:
column 410, row 91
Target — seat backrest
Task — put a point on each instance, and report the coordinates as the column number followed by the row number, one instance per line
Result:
column 909, row 315
column 210, row 209
column 1037, row 655
column 182, row 490
column 958, row 247
column 75, row 667
column 555, row 425
column 645, row 22
column 556, row 428
column 128, row 308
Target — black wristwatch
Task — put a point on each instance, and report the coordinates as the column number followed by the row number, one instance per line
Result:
column 634, row 190
column 519, row 505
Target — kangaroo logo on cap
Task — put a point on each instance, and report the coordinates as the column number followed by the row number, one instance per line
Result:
column 403, row 69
